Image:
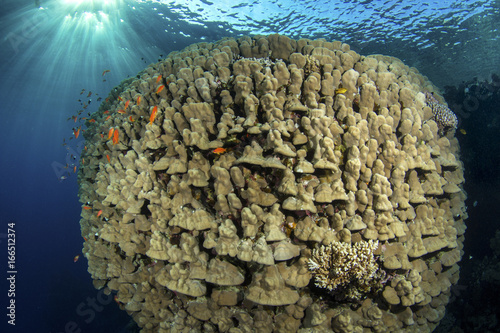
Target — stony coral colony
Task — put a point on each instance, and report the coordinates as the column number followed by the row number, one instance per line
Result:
column 273, row 184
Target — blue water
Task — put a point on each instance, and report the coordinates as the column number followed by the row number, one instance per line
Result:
column 48, row 54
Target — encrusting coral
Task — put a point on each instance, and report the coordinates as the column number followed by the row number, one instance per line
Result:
column 274, row 185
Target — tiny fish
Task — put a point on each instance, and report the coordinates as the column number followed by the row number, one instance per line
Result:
column 139, row 100
column 106, row 71
column 463, row 131
column 126, row 105
column 121, row 111
column 99, row 213
column 106, row 112
column 91, row 120
column 219, row 151
column 153, row 115
column 75, row 258
column 76, row 132
column 341, row 91
column 120, row 98
column 131, row 119
column 110, row 133
column 74, row 169
column 116, row 137
column 160, row 88
column 107, row 157
column 85, row 238
column 107, row 118
column 158, row 79
column 90, row 94
column 81, row 92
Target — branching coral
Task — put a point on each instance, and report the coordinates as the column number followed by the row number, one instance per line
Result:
column 339, row 264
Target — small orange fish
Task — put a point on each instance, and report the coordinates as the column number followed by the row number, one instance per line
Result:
column 160, row 88
column 120, row 98
column 139, row 100
column 74, row 169
column 87, row 207
column 102, row 136
column 107, row 118
column 83, row 160
column 131, row 119
column 74, row 118
column 121, row 111
column 110, row 133
column 106, row 71
column 116, row 300
column 85, row 238
column 99, row 213
column 90, row 94
column 158, row 78
column 75, row 259
column 106, row 112
column 85, row 148
column 219, row 151
column 153, row 115
column 126, row 105
column 116, row 137
column 76, row 132
column 107, row 156
column 91, row 120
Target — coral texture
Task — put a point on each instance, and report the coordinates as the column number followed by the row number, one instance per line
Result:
column 236, row 164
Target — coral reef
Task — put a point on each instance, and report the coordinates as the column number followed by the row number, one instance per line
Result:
column 260, row 158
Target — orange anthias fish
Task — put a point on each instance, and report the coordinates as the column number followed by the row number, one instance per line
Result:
column 99, row 213
column 91, row 120
column 116, row 137
column 139, row 100
column 106, row 112
column 90, row 94
column 106, row 71
column 153, row 115
column 126, row 105
column 160, row 88
column 131, row 119
column 121, row 111
column 87, row 207
column 158, row 78
column 74, row 169
column 75, row 259
column 219, row 151
column 107, row 157
column 120, row 98
column 107, row 118
column 76, row 132
column 110, row 133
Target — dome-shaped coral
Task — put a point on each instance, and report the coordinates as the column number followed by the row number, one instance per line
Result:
column 262, row 154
